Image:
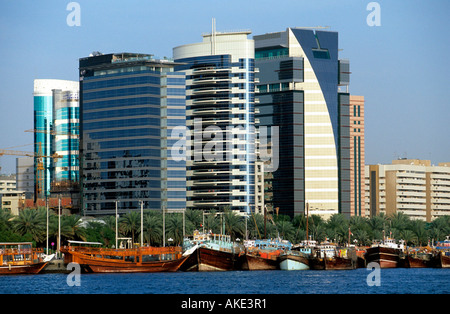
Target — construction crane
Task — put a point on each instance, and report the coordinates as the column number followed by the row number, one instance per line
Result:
column 52, row 132
column 40, row 166
column 39, row 163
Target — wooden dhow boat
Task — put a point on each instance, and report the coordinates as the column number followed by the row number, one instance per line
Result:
column 294, row 260
column 386, row 254
column 263, row 254
column 328, row 256
column 214, row 252
column 135, row 260
column 417, row 258
column 298, row 258
column 441, row 260
column 441, row 257
column 20, row 258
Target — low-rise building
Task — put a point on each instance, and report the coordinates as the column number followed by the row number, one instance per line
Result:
column 411, row 186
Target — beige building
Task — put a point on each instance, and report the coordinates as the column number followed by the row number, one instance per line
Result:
column 13, row 201
column 357, row 156
column 411, row 186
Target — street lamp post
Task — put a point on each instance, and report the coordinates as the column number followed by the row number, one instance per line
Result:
column 117, row 231
column 142, row 223
column 46, row 207
column 59, row 225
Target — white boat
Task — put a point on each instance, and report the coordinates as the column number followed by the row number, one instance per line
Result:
column 294, row 260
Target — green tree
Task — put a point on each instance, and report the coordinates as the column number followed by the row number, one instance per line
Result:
column 174, row 228
column 152, row 224
column 399, row 221
column 33, row 222
column 440, row 228
column 213, row 221
column 286, row 230
column 130, row 224
column 408, row 236
column 6, row 219
column 234, row 225
column 71, row 227
column 376, row 225
column 194, row 217
column 418, row 228
column 361, row 236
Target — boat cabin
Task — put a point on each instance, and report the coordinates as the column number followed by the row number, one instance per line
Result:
column 19, row 253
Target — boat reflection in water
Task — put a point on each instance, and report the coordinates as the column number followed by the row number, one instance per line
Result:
column 123, row 260
column 20, row 258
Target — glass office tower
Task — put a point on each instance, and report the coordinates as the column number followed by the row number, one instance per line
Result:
column 220, row 100
column 299, row 78
column 130, row 104
column 65, row 133
column 44, row 129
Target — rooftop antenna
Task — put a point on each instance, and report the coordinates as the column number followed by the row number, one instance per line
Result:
column 213, row 36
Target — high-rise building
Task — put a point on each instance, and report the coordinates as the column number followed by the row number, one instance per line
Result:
column 302, row 89
column 220, row 90
column 410, row 186
column 357, row 160
column 44, row 106
column 129, row 105
column 65, row 133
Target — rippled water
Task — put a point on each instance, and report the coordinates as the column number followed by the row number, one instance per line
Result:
column 392, row 281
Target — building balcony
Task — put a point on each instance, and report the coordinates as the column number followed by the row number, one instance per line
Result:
column 210, row 70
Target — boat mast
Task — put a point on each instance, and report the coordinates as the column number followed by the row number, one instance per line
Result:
column 307, row 218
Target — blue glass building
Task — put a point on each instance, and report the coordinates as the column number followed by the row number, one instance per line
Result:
column 45, row 103
column 130, row 103
column 65, row 133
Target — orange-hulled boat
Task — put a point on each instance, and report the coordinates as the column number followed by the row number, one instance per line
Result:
column 20, row 258
column 135, row 260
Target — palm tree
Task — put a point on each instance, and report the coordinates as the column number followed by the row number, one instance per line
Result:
column 194, row 217
column 376, row 225
column 53, row 229
column 286, row 230
column 317, row 231
column 337, row 221
column 213, row 222
column 234, row 225
column 33, row 222
column 70, row 227
column 441, row 227
column 174, row 228
column 255, row 226
column 152, row 224
column 110, row 222
column 6, row 219
column 418, row 228
column 130, row 223
column 362, row 236
column 408, row 236
column 399, row 221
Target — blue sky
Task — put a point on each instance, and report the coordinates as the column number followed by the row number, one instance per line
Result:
column 401, row 67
